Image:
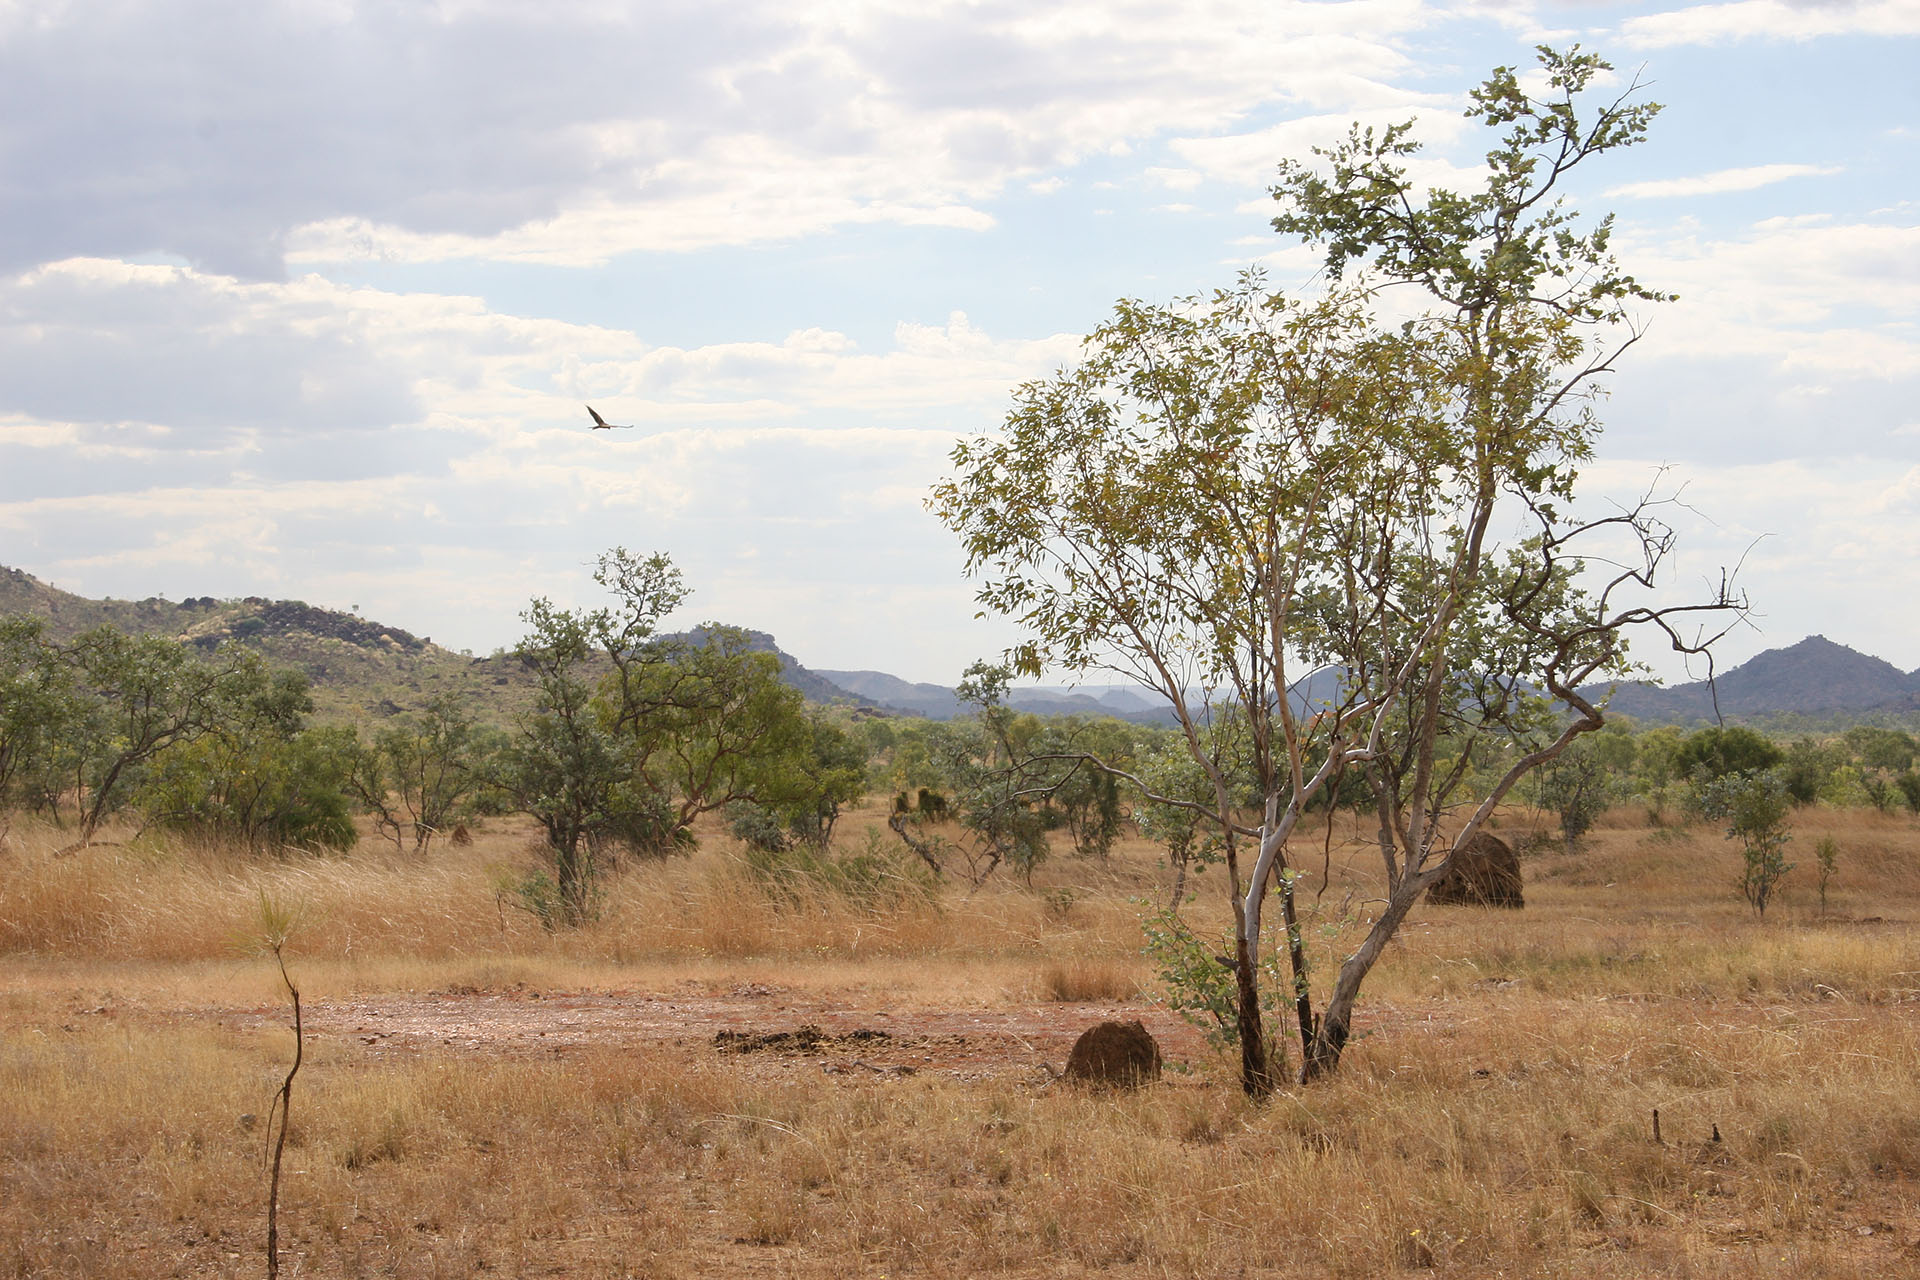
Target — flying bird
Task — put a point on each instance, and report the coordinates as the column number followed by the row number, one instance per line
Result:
column 601, row 424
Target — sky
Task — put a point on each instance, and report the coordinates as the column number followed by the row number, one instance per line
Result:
column 305, row 300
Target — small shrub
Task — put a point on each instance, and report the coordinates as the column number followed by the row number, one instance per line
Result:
column 756, row 827
column 1077, row 981
column 1754, row 807
column 874, row 877
column 1197, row 983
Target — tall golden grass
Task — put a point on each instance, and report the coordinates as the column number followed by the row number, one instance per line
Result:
column 1496, row 1118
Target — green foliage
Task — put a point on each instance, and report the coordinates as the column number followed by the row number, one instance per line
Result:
column 41, row 714
column 1719, row 751
column 564, row 764
column 423, row 773
column 147, row 694
column 1806, row 768
column 260, row 788
column 540, row 896
column 1575, row 785
column 1909, row 785
column 1754, row 807
column 756, row 826
column 1889, row 750
column 1197, row 981
column 1233, row 490
column 634, row 736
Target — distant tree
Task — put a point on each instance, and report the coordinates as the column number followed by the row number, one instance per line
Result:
column 701, row 724
column 40, row 712
column 417, row 775
column 998, row 786
column 1575, row 786
column 634, row 735
column 1089, row 799
column 1716, row 752
column 1754, row 807
column 1173, row 812
column 147, row 694
column 252, row 782
column 562, row 764
column 1891, row 750
column 1806, row 768
column 827, row 772
column 1909, row 785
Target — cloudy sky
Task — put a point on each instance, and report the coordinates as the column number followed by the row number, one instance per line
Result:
column 305, row 299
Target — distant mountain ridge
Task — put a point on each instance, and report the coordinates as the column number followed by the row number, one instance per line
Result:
column 1815, row 677
column 362, row 667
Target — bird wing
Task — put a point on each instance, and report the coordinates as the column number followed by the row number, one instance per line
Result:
column 599, row 422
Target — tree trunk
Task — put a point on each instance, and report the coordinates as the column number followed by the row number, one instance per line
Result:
column 1256, row 1073
column 1336, row 1022
column 1297, row 960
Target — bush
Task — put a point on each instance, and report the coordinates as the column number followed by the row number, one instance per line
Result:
column 756, row 827
column 874, row 877
column 1754, row 807
column 1715, row 753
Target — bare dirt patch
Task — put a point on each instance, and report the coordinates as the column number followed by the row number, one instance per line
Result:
column 782, row 1031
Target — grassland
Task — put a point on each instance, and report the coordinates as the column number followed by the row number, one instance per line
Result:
column 1495, row 1120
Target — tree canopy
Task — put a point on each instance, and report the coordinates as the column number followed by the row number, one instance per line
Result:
column 1230, row 492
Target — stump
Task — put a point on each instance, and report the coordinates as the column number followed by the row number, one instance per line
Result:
column 1485, row 873
column 1121, row 1055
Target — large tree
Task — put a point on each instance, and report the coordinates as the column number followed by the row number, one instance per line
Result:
column 1230, row 493
column 635, row 735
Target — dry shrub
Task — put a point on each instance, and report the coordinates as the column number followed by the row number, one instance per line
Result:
column 1083, row 981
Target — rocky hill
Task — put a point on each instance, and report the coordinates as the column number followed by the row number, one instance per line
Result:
column 360, row 668
column 357, row 668
column 1814, row 678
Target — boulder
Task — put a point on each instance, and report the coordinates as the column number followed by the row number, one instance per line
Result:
column 1485, row 873
column 1115, row 1054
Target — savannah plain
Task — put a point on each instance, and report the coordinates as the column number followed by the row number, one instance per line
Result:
column 482, row 1097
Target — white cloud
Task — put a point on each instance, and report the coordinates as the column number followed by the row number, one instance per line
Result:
column 1175, row 179
column 809, row 449
column 1720, row 182
column 573, row 134
column 1805, row 297
column 1772, row 19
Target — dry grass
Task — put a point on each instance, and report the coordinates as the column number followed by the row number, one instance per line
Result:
column 1495, row 1121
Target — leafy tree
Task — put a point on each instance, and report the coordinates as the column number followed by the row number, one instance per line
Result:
column 416, row 776
column 1088, row 799
column 1178, row 791
column 998, row 784
column 1888, row 749
column 701, row 723
column 829, row 771
column 39, row 713
column 1225, row 493
column 1909, row 785
column 147, row 694
column 1754, row 807
column 635, row 735
column 1805, row 768
column 563, row 764
column 1721, row 750
column 253, row 783
column 1574, row 785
